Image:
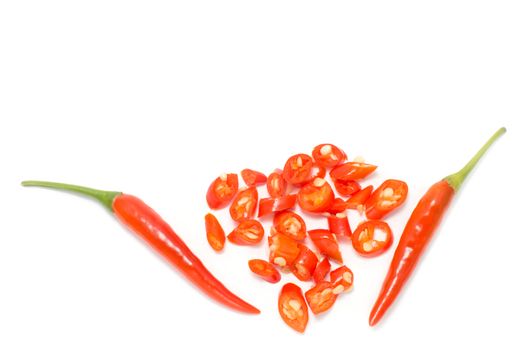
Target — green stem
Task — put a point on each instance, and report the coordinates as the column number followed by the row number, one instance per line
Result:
column 455, row 180
column 106, row 198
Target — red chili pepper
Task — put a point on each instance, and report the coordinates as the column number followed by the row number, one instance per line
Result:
column 317, row 171
column 248, row 232
column 321, row 297
column 342, row 279
column 419, row 230
column 372, row 238
column 338, row 224
column 328, row 155
column 277, row 204
column 215, row 233
column 338, row 206
column 244, row 205
column 253, row 177
column 357, row 200
column 304, row 265
column 292, row 307
column 290, row 224
column 264, row 270
column 283, row 250
column 150, row 227
column 298, row 169
column 222, row 191
column 322, row 269
column 389, row 196
column 316, row 196
column 352, row 171
column 276, row 185
column 346, row 187
column 326, row 243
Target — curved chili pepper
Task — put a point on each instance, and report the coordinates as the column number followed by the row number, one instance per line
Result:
column 149, row 226
column 419, row 230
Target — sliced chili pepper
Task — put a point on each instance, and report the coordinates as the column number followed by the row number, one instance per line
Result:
column 293, row 308
column 390, row 195
column 277, row 204
column 321, row 297
column 305, row 263
column 298, row 169
column 352, row 171
column 316, row 196
column 248, row 232
column 253, row 177
column 283, row 250
column 153, row 230
column 338, row 206
column 222, row 190
column 264, row 270
column 215, row 233
column 276, row 185
column 244, row 205
column 322, row 269
column 328, row 155
column 372, row 238
column 346, row 187
column 338, row 224
column 326, row 243
column 317, row 171
column 290, row 224
column 342, row 279
column 357, row 200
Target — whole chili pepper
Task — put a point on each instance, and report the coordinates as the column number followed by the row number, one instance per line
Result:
column 419, row 230
column 149, row 226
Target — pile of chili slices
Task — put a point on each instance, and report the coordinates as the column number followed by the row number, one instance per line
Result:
column 302, row 181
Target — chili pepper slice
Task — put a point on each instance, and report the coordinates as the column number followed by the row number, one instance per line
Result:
column 154, row 231
column 357, row 200
column 322, row 269
column 276, row 185
column 244, row 205
column 390, row 195
column 215, row 233
column 326, row 243
column 304, row 265
column 253, row 177
column 298, row 169
column 277, row 204
column 321, row 297
column 372, row 238
column 338, row 224
column 346, row 187
column 290, row 224
column 292, row 307
column 338, row 206
column 317, row 171
column 264, row 270
column 328, row 155
column 342, row 279
column 352, row 171
column 316, row 196
column 222, row 190
column 248, row 232
column 283, row 250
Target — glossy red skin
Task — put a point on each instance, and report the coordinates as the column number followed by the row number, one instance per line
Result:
column 298, row 175
column 215, row 233
column 322, row 269
column 318, row 303
column 253, row 177
column 415, row 237
column 282, row 224
column 284, row 247
column 373, row 206
column 326, row 160
column 370, row 226
column 336, row 277
column 292, row 292
column 247, row 210
column 315, row 199
column 216, row 200
column 264, row 270
column 339, row 225
column 359, row 198
column 338, row 206
column 304, row 265
column 240, row 234
column 326, row 243
column 276, row 185
column 154, row 231
column 274, row 205
column 346, row 187
column 352, row 171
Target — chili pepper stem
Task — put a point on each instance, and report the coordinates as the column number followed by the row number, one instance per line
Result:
column 106, row 198
column 455, row 180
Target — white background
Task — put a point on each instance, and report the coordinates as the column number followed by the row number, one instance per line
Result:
column 156, row 98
